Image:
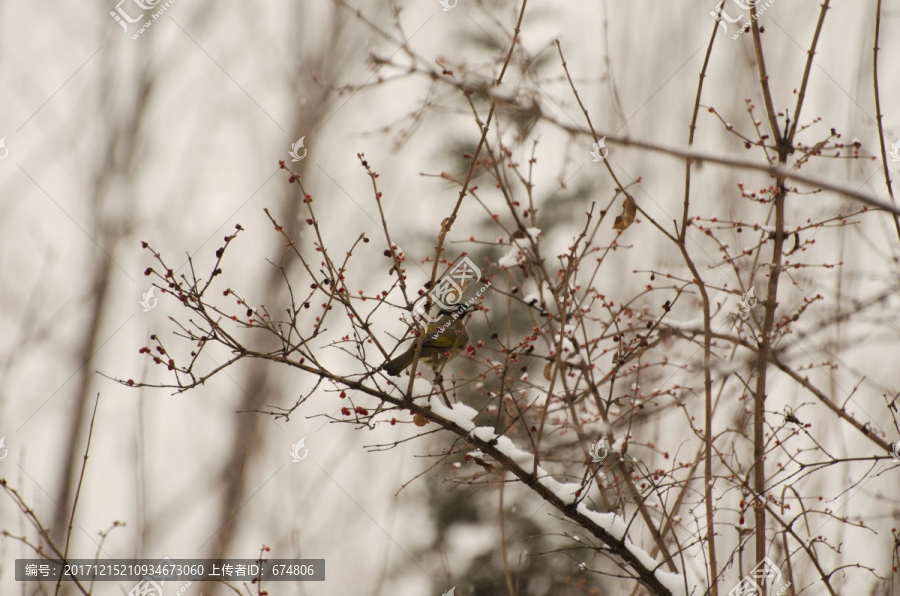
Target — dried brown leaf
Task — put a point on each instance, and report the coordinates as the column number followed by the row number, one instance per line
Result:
column 548, row 370
column 629, row 210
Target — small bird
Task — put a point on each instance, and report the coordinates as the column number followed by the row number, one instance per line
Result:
column 444, row 340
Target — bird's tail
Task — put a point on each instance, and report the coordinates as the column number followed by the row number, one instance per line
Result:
column 395, row 367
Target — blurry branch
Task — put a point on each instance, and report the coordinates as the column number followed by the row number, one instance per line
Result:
column 111, row 221
column 327, row 50
column 501, row 514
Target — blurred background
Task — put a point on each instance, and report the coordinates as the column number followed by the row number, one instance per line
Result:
column 174, row 137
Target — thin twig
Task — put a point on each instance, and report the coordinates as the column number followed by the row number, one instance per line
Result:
column 87, row 449
column 879, row 116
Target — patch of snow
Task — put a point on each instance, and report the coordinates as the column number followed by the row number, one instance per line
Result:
column 512, row 258
column 615, row 525
column 516, row 253
column 525, row 460
column 460, row 414
column 485, row 433
column 508, row 448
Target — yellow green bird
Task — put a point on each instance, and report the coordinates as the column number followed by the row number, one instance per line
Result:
column 444, row 340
